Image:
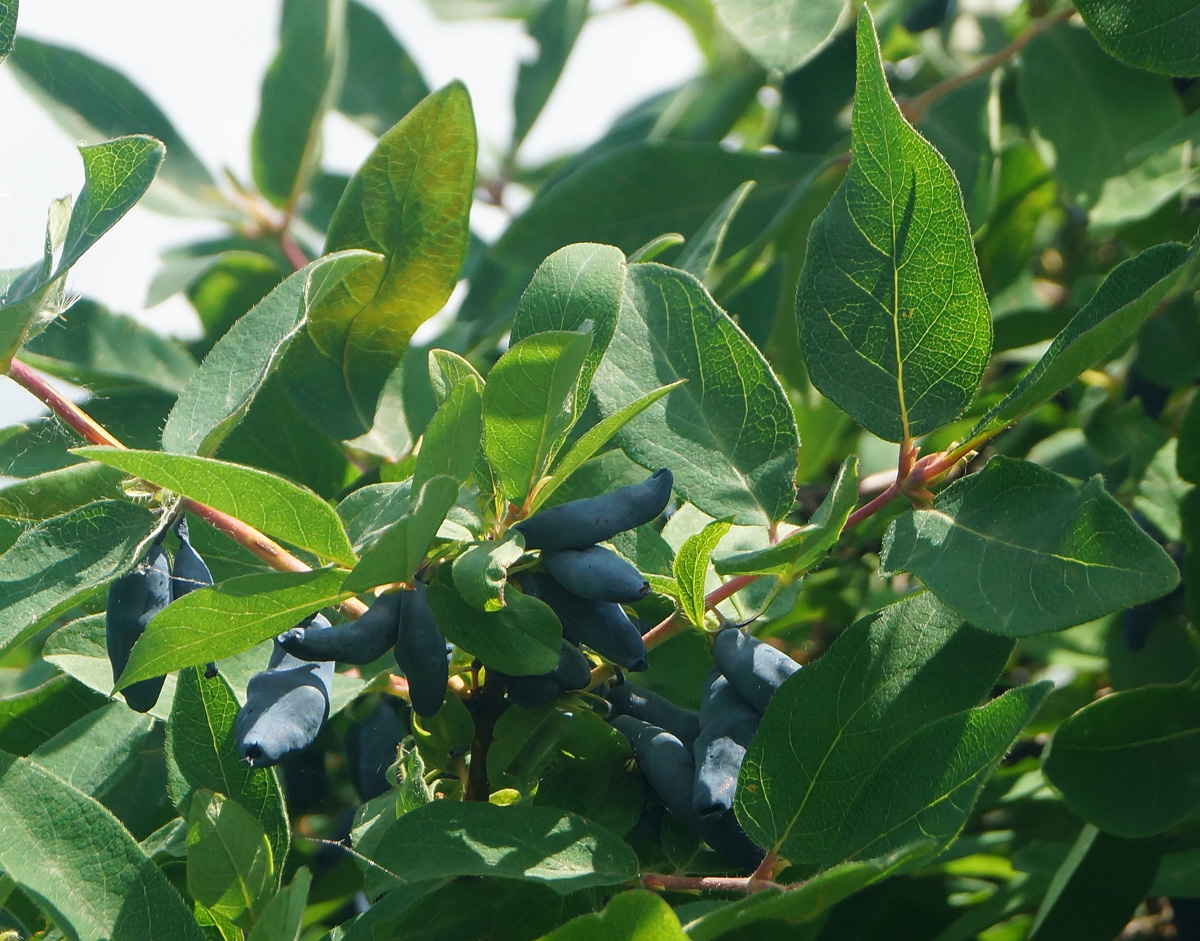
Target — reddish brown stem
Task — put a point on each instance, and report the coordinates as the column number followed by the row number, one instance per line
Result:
column 64, row 408
column 658, row 880
column 294, row 253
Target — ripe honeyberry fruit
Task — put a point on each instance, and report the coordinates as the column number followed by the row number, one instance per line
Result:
column 597, row 574
column 188, row 571
column 727, row 725
column 133, row 600
column 421, row 653
column 628, row 699
column 358, row 642
column 582, row 523
column 753, row 667
column 286, row 705
column 602, row 625
column 372, row 744
column 573, row 672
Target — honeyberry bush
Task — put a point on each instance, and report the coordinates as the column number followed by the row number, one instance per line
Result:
column 903, row 298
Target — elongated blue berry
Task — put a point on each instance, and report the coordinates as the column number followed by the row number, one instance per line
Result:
column 753, row 667
column 582, row 523
column 727, row 725
column 601, row 625
column 628, row 699
column 359, row 642
column 134, row 599
column 421, row 653
column 597, row 574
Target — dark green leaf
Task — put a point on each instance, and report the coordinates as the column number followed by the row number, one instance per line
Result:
column 521, row 841
column 1129, row 294
column 54, row 840
column 268, row 503
column 887, row 676
column 42, row 496
column 1096, row 889
column 401, row 549
column 8, row 26
column 1018, row 550
column 283, row 916
column 202, row 752
column 33, row 717
column 409, row 202
column 94, row 752
column 636, row 915
column 779, row 34
column 636, row 193
column 217, row 397
column 703, row 249
column 446, row 370
column 728, row 435
column 529, row 405
column 523, row 638
column 92, row 347
column 382, row 82
column 65, row 556
column 691, row 568
column 302, row 83
column 1160, row 37
column 926, row 786
column 230, row 867
column 94, row 102
column 213, row 623
column 891, row 309
column 1130, row 762
column 804, row 548
column 1091, row 108
column 554, row 27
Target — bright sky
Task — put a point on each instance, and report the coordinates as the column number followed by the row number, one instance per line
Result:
column 203, row 63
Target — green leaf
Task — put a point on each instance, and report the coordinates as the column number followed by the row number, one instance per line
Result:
column 382, row 82
column 1160, row 492
column 703, row 249
column 578, row 288
column 400, row 550
column 301, row 84
column 806, row 547
column 409, row 202
column 213, row 623
column 729, row 435
column 891, row 310
column 230, row 869
column 809, row 900
column 481, row 573
column 115, row 176
column 268, row 503
column 592, row 440
column 1187, row 454
column 202, row 752
column 283, row 916
column 1018, row 550
column 887, row 676
column 691, row 568
column 66, row 556
column 781, row 35
column 54, row 840
column 446, row 370
column 1094, row 111
column 1159, row 37
column 554, row 27
column 94, row 102
column 1094, row 892
column 32, row 717
column 450, row 445
column 8, row 26
column 94, row 752
column 42, row 496
column 926, row 786
column 92, row 347
column 637, row 915
column 520, row 841
column 1130, row 762
column 637, row 192
column 529, row 405
column 219, row 394
column 523, row 638
column 1130, row 293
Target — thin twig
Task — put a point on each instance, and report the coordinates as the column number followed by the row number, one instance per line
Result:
column 914, row 109
column 658, row 880
column 292, row 250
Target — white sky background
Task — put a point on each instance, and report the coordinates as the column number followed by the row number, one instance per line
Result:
column 203, row 64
